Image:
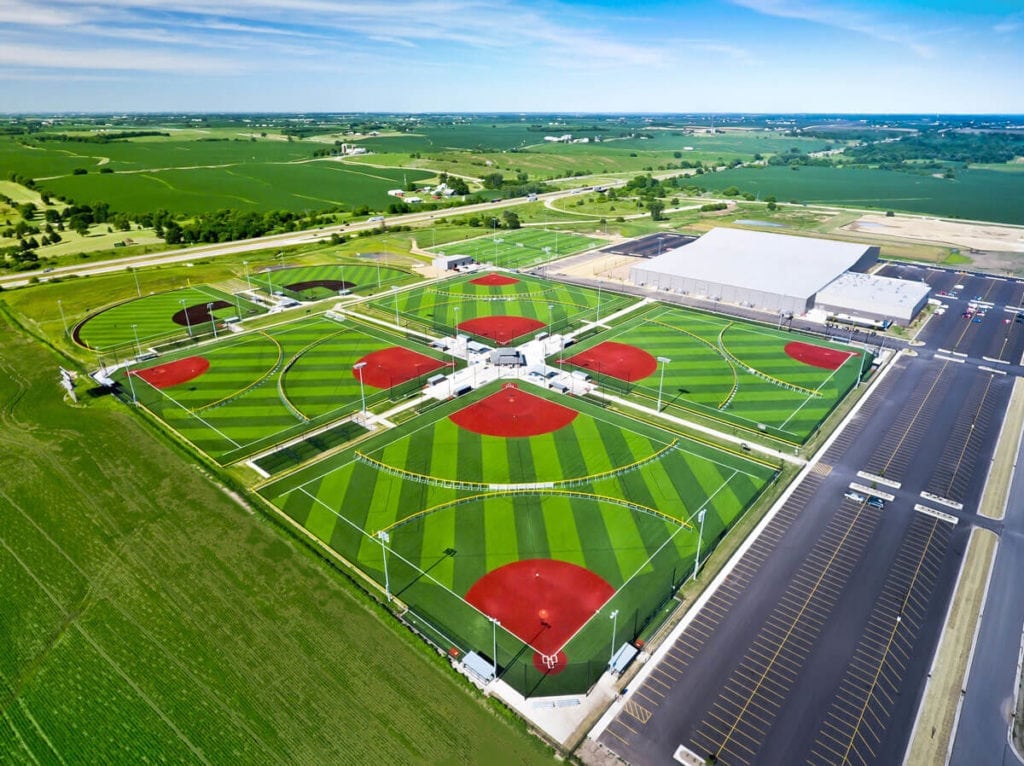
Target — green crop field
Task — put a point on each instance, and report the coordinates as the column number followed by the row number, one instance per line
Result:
column 266, row 386
column 732, row 371
column 987, row 195
column 520, row 248
column 560, row 307
column 149, row 618
column 620, row 499
column 150, row 319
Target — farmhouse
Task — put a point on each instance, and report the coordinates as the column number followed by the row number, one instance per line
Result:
column 781, row 273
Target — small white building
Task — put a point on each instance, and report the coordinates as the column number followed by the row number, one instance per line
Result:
column 451, row 262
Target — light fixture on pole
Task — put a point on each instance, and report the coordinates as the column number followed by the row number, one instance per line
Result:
column 358, row 367
column 188, row 322
column 138, row 346
column 135, row 273
column 615, row 624
column 661, row 382
column 131, row 383
column 494, row 645
column 599, row 300
column 248, row 278
column 213, row 319
column 394, row 289
column 60, row 307
column 551, row 317
column 700, row 538
column 385, row 538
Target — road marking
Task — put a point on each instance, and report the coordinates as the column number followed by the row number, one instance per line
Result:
column 995, row 361
column 990, row 369
column 638, row 711
column 937, row 514
column 879, row 479
column 949, row 359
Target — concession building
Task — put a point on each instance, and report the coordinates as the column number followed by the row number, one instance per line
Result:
column 780, row 273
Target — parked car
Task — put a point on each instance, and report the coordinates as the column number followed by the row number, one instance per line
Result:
column 876, row 502
column 857, row 497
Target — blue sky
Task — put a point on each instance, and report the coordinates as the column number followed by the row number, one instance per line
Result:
column 946, row 56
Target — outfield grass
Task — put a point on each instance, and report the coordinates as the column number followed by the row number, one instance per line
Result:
column 622, row 502
column 520, row 248
column 266, row 386
column 732, row 371
column 149, row 618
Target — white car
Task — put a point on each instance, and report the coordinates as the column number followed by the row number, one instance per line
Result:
column 857, row 497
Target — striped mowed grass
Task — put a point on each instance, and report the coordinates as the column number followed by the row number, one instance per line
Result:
column 441, row 306
column 152, row 318
column 268, row 385
column 618, row 497
column 735, row 371
column 315, row 282
column 520, row 248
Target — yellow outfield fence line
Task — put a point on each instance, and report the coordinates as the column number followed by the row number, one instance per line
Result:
column 288, row 365
column 514, row 487
column 257, row 382
column 725, row 358
column 760, row 374
column 554, row 492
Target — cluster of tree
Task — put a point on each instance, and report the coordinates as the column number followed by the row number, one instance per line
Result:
column 227, row 225
column 520, row 187
column 99, row 138
column 949, row 146
column 509, row 220
column 457, row 184
column 794, row 157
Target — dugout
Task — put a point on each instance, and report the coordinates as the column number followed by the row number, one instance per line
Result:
column 768, row 272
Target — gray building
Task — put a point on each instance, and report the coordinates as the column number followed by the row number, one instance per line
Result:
column 768, row 272
column 451, row 262
column 866, row 296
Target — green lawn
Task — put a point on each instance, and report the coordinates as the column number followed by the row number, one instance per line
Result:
column 149, row 618
column 620, row 499
column 520, row 248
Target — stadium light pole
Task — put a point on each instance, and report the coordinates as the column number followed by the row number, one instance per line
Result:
column 615, row 624
column 135, row 273
column 661, row 382
column 700, row 538
column 358, row 367
column 64, row 321
column 248, row 278
column 188, row 322
column 385, row 538
column 138, row 346
column 599, row 300
column 494, row 645
column 213, row 319
column 551, row 317
column 131, row 383
column 394, row 292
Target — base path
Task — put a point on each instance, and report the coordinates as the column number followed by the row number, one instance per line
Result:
column 174, row 373
column 543, row 602
column 394, row 366
column 818, row 356
column 512, row 412
column 619, row 360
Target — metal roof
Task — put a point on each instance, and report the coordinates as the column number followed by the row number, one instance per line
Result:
column 880, row 296
column 755, row 260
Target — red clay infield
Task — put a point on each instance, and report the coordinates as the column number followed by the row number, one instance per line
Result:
column 619, row 360
column 198, row 314
column 543, row 602
column 392, row 366
column 818, row 356
column 501, row 329
column 511, row 412
column 494, row 280
column 174, row 373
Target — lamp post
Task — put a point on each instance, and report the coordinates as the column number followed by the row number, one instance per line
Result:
column 551, row 317
column 213, row 319
column 700, row 538
column 64, row 321
column 138, row 346
column 358, row 367
column 384, row 538
column 248, row 278
column 599, row 300
column 615, row 624
column 131, row 383
column 135, row 273
column 188, row 322
column 394, row 292
column 661, row 382
column 494, row 645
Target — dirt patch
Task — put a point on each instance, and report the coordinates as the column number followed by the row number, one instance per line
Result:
column 818, row 356
column 543, row 602
column 511, row 412
column 330, row 284
column 494, row 280
column 501, row 329
column 619, row 360
column 174, row 373
column 393, row 366
column 199, row 313
column 966, row 236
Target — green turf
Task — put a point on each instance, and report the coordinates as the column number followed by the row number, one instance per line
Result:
column 622, row 500
column 520, row 248
column 147, row 618
column 730, row 370
column 363, row 278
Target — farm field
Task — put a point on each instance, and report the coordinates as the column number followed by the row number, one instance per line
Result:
column 755, row 377
column 240, row 394
column 988, row 195
column 520, row 248
column 499, row 308
column 542, row 512
column 147, row 617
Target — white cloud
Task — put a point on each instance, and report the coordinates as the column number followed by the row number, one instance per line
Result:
column 841, row 18
column 112, row 59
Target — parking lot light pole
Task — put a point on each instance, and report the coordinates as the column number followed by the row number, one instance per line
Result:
column 358, row 367
column 661, row 383
column 700, row 538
